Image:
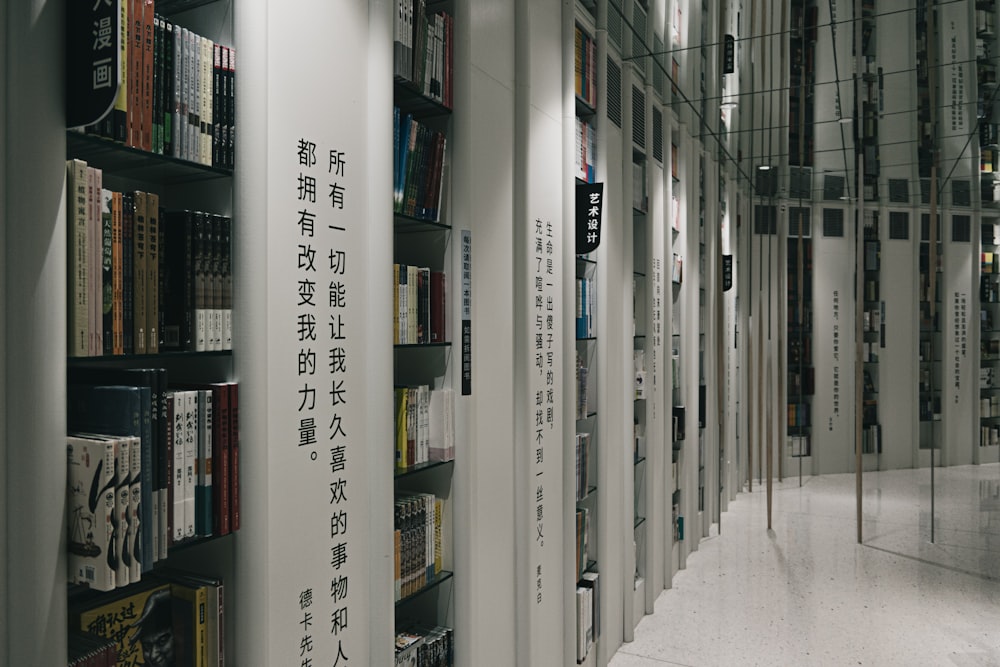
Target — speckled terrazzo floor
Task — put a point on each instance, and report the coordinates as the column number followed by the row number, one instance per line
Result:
column 807, row 594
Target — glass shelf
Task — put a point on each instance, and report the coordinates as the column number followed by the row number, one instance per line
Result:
column 420, row 467
column 159, row 356
column 441, row 577
column 639, row 521
column 122, row 160
column 407, row 224
column 410, row 100
column 414, row 346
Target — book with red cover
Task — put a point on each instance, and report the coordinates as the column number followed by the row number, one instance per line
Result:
column 234, row 457
column 135, row 74
column 148, row 66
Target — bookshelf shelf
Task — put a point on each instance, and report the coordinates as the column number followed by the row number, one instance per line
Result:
column 639, row 521
column 585, row 260
column 638, row 460
column 401, row 473
column 591, row 490
column 405, row 224
column 421, row 346
column 584, row 110
column 138, row 164
column 112, row 359
column 408, row 98
column 176, row 6
column 586, row 339
column 436, row 581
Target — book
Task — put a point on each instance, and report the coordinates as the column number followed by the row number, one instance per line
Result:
column 140, row 271
column 117, row 340
column 107, row 272
column 190, row 620
column 211, row 618
column 146, row 123
column 78, row 289
column 128, row 270
column 140, row 620
column 203, row 465
column 152, row 300
column 234, row 456
column 121, row 411
column 90, row 510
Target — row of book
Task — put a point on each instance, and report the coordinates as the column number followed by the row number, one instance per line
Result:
column 423, row 49
column 869, row 352
column 677, row 269
column 417, row 538
column 173, row 618
column 799, row 350
column 925, row 350
column 989, row 436
column 89, row 650
column 929, row 407
column 584, row 67
column 639, row 374
column 418, row 302
column 582, row 540
column 987, row 378
column 142, row 279
column 585, row 301
column 872, row 320
column 420, row 646
column 176, row 91
column 585, row 157
column 869, row 411
column 803, row 381
column 989, row 262
column 588, row 614
column 148, row 468
column 678, row 522
column 419, row 153
column 871, row 289
column 926, row 378
column 871, row 439
column 989, row 406
column 582, row 465
column 989, row 290
column 582, row 380
column 798, row 415
column 425, row 425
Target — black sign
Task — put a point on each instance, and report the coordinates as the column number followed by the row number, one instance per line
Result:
column 93, row 59
column 727, row 273
column 728, row 54
column 589, row 214
column 466, row 357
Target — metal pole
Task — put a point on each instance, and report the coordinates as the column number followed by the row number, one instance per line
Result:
column 858, row 246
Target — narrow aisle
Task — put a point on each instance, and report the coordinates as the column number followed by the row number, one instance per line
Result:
column 808, row 594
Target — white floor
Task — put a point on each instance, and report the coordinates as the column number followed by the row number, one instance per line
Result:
column 807, row 594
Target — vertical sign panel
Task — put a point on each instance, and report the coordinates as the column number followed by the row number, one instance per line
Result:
column 466, row 312
column 317, row 246
column 543, row 399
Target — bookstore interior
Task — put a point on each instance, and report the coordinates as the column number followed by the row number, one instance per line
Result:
column 362, row 439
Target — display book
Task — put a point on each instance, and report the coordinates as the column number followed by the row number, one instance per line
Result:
column 144, row 279
column 176, row 91
column 424, row 405
column 172, row 617
column 873, row 337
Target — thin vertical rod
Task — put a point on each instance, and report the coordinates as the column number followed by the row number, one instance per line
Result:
column 858, row 245
column 932, row 251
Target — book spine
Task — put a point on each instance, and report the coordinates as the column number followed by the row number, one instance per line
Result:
column 120, row 111
column 161, row 464
column 199, row 256
column 190, row 459
column 135, row 508
column 220, row 464
column 135, row 74
column 213, row 297
column 167, row 102
column 216, row 100
column 207, row 47
column 152, row 273
column 177, row 91
column 225, row 249
column 139, row 272
column 156, row 115
column 180, row 436
column 116, row 273
column 93, row 262
column 234, row 456
column 123, row 452
column 147, row 75
column 169, row 472
column 77, row 257
column 203, row 488
column 107, row 272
